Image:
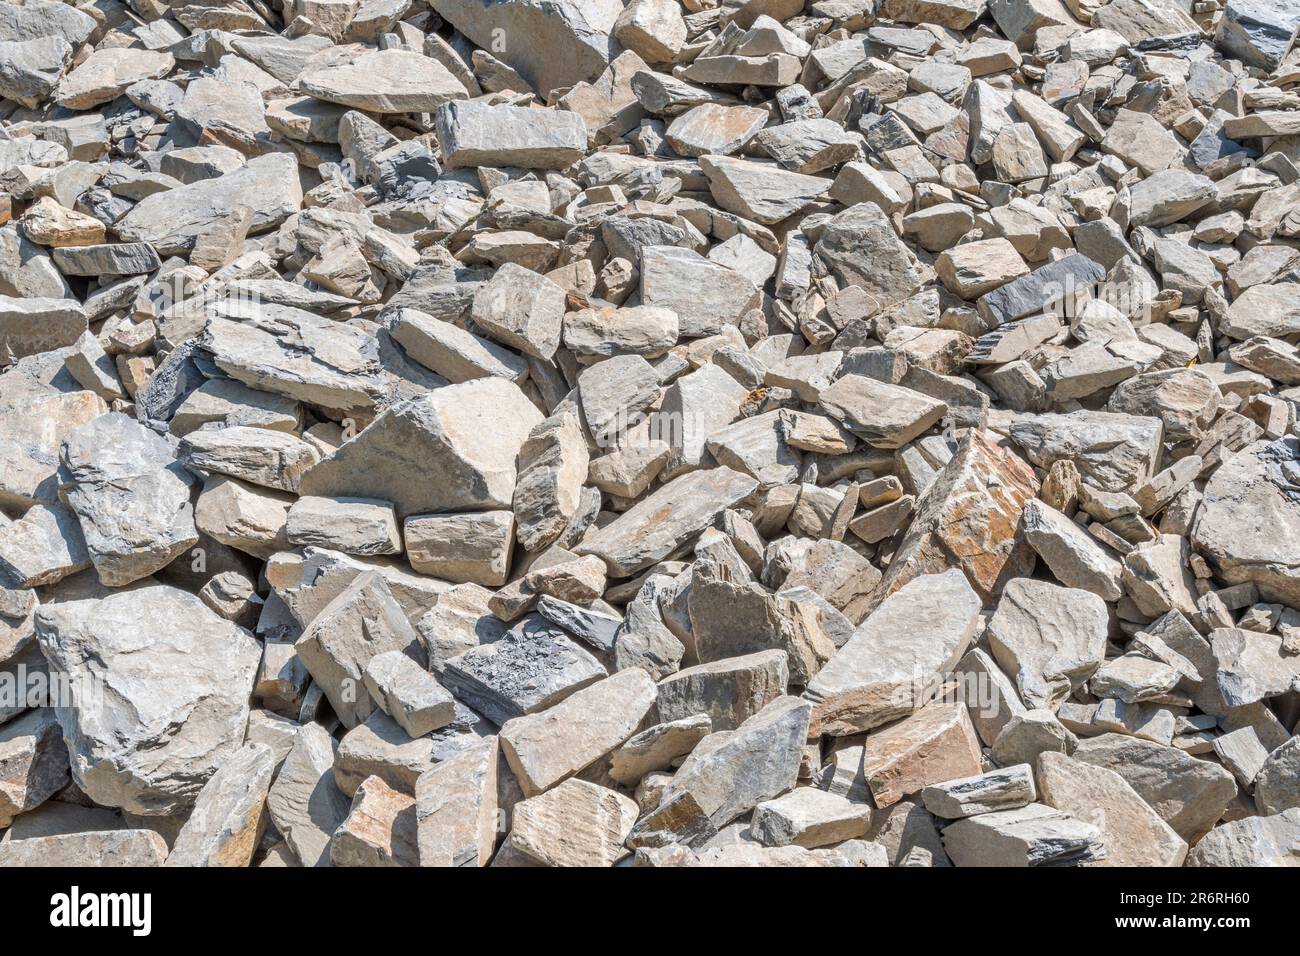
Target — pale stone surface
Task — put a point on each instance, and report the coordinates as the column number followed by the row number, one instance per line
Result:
column 732, row 771
column 810, row 818
column 547, row 747
column 456, row 807
column 229, row 814
column 177, row 712
column 1050, row 639
column 916, row 635
column 303, row 803
column 1035, row 835
column 453, row 449
column 576, row 824
column 380, row 829
column 362, row 622
column 1133, row 832
column 896, row 392
column 1188, row 794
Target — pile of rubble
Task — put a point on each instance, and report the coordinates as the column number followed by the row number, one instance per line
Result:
column 672, row 432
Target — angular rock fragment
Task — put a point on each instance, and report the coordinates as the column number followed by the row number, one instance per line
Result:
column 934, row 744
column 1035, row 835
column 227, row 822
column 914, row 637
column 1007, row 789
column 176, row 713
column 575, row 824
column 453, row 449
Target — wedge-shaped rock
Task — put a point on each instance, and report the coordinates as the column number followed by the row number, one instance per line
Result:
column 381, row 748
column 1006, row 789
column 761, row 192
column 882, row 415
column 243, row 516
column 1035, row 835
column 911, row 640
column 934, row 744
column 261, row 456
column 226, row 824
column 547, row 747
column 566, row 41
column 533, row 667
column 1248, row 525
column 450, row 450
column 45, row 545
column 1113, row 452
column 476, row 134
column 1072, row 555
column 1188, row 794
column 361, row 623
column 669, row 519
column 304, row 802
column 809, row 817
column 179, row 700
column 974, row 268
column 970, row 517
column 642, row 330
column 1050, row 639
column 33, row 762
column 385, row 81
column 576, row 824
column 456, row 808
column 452, row 352
column 657, row 747
column 731, row 771
column 713, row 130
column 1134, row 834
column 173, row 220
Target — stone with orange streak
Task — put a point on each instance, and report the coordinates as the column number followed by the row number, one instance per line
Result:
column 969, row 518
column 934, row 744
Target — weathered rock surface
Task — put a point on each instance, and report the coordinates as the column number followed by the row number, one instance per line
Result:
column 146, row 729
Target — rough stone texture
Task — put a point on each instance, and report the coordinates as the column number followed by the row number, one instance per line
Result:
column 131, row 495
column 229, row 815
column 547, row 747
column 1049, row 639
column 935, row 744
column 702, row 424
column 1134, row 834
column 454, row 449
column 1188, row 794
column 969, row 517
column 146, row 730
column 913, row 637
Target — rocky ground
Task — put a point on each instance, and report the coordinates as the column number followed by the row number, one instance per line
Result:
column 688, row 432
